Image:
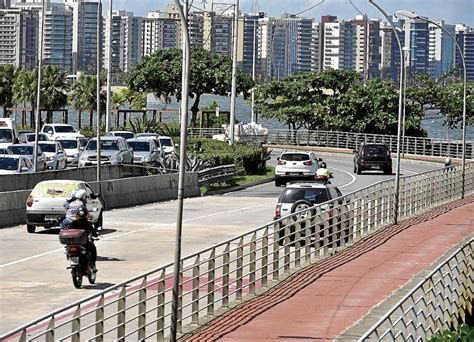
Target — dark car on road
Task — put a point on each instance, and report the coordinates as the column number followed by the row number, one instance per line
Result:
column 372, row 157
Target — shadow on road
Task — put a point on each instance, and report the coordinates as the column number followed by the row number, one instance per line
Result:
column 105, row 231
column 97, row 286
column 105, row 258
column 51, row 231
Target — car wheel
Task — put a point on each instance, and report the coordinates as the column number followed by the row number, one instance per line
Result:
column 30, row 228
column 277, row 182
column 355, row 168
column 387, row 171
column 99, row 222
column 358, row 171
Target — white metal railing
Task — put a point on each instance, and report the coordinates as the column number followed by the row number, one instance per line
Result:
column 439, row 302
column 213, row 278
column 347, row 140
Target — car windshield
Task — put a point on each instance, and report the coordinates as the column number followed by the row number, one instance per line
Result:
column 19, row 149
column 140, row 146
column 166, row 142
column 31, row 137
column 314, row 195
column 65, row 129
column 295, row 156
column 126, row 135
column 70, row 143
column 5, row 136
column 48, row 147
column 8, row 163
column 106, row 145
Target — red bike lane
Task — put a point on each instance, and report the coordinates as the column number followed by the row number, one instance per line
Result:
column 324, row 299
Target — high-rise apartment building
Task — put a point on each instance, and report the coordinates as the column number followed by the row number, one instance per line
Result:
column 85, row 24
column 390, row 52
column 247, row 44
column 315, row 48
column 160, row 31
column 367, row 46
column 126, row 41
column 217, row 33
column 417, row 40
column 5, row 4
column 290, row 41
column 465, row 39
column 441, row 51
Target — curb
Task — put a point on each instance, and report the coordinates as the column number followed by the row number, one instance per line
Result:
column 238, row 187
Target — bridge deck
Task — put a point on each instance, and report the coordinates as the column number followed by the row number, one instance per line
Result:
column 325, row 299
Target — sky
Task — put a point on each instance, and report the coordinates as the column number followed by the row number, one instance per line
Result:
column 452, row 11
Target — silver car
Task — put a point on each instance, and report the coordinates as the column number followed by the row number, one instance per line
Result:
column 145, row 151
column 27, row 150
column 13, row 164
column 114, row 151
column 56, row 158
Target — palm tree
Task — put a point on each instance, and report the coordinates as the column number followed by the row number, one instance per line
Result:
column 54, row 90
column 117, row 101
column 24, row 89
column 7, row 77
column 76, row 99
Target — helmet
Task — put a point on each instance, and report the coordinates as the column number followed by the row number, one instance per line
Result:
column 323, row 165
column 82, row 212
column 80, row 194
column 447, row 161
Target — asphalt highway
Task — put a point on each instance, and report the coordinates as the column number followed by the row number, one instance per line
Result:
column 33, row 275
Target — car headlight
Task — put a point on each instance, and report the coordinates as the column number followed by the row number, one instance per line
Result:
column 146, row 159
column 50, row 158
column 75, row 155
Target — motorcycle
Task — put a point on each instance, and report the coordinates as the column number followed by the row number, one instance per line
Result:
column 77, row 255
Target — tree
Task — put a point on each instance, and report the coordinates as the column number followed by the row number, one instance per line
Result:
column 53, row 90
column 450, row 103
column 7, row 78
column 210, row 73
column 24, row 89
column 83, row 97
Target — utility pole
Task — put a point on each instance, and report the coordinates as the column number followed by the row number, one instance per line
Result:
column 109, row 71
column 38, row 89
column 255, row 23
column 234, row 74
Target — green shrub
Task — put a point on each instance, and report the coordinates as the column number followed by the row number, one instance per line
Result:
column 463, row 333
column 247, row 159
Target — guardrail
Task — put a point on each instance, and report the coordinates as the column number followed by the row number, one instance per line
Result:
column 216, row 174
column 215, row 278
column 347, row 140
column 438, row 302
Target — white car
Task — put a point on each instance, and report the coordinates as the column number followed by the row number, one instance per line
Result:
column 167, row 144
column 13, row 164
column 55, row 131
column 27, row 150
column 56, row 158
column 73, row 148
column 45, row 204
column 298, row 197
column 124, row 134
column 296, row 165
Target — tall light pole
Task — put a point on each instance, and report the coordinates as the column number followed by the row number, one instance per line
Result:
column 400, row 109
column 234, row 73
column 182, row 164
column 99, row 9
column 255, row 22
column 406, row 54
column 109, row 71
column 412, row 15
column 38, row 89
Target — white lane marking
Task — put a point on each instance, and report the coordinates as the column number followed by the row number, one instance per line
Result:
column 350, row 174
column 131, row 232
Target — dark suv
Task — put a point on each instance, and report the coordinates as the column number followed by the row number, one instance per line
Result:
column 372, row 157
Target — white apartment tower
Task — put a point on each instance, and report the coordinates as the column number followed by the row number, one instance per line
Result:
column 442, row 49
column 159, row 31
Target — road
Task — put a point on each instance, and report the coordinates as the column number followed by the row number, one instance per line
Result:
column 34, row 279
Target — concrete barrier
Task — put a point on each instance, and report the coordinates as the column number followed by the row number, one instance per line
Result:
column 88, row 174
column 116, row 192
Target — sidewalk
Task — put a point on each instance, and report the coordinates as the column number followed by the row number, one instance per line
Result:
column 325, row 299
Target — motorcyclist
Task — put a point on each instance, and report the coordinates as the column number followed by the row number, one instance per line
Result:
column 82, row 222
column 323, row 171
column 77, row 200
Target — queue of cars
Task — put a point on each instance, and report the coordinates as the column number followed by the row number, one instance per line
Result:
column 61, row 146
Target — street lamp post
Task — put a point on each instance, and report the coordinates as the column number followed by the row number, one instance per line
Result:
column 99, row 8
column 182, row 164
column 412, row 15
column 38, row 89
column 406, row 51
column 109, row 71
column 234, row 74
column 400, row 109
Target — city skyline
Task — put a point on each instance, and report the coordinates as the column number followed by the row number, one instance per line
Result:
column 455, row 12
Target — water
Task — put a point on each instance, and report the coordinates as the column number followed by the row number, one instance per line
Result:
column 433, row 125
